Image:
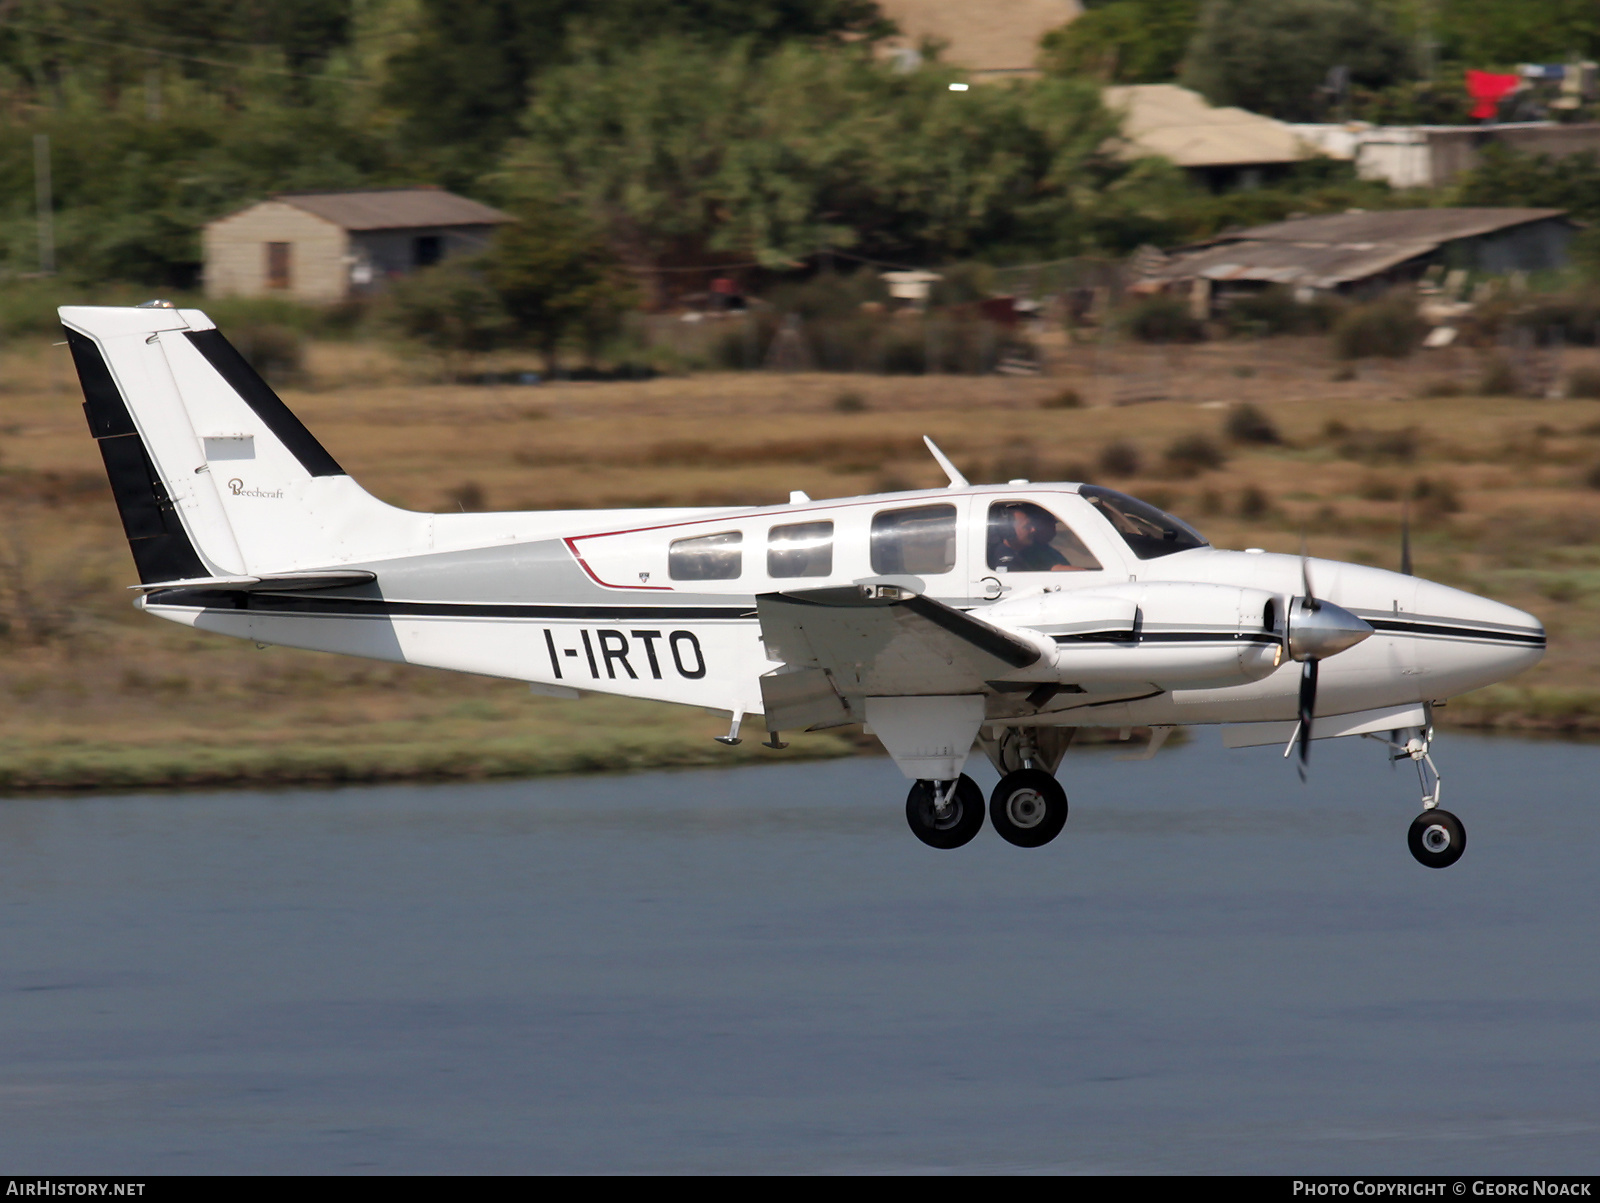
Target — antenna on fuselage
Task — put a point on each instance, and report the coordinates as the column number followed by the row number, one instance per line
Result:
column 957, row 481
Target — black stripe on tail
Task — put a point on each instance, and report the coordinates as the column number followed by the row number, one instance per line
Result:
column 161, row 548
column 268, row 406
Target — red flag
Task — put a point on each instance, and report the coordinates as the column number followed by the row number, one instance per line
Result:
column 1488, row 89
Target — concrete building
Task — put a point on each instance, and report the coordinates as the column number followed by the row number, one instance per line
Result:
column 1430, row 156
column 992, row 40
column 1362, row 253
column 328, row 246
column 1224, row 148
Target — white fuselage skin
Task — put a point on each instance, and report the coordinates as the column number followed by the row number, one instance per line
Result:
column 637, row 632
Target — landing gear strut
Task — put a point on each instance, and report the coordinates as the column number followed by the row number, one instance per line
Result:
column 1436, row 838
column 945, row 814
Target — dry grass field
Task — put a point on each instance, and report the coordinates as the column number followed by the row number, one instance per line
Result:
column 96, row 695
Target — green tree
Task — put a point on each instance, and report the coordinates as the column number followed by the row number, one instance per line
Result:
column 556, row 280
column 1127, row 41
column 1506, row 177
column 1488, row 33
column 688, row 154
column 1272, row 56
column 466, row 78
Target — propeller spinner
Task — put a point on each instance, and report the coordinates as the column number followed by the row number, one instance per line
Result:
column 1313, row 631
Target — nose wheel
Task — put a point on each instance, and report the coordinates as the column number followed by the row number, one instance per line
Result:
column 1437, row 838
column 945, row 814
column 1028, row 808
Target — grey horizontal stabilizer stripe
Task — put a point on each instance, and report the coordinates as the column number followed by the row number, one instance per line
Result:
column 337, row 578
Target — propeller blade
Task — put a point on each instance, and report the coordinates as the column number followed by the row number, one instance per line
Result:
column 1405, row 538
column 1308, row 705
column 1305, row 574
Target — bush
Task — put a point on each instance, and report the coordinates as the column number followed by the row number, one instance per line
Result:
column 1161, row 319
column 450, row 308
column 1390, row 328
column 1372, row 446
column 1247, row 424
column 1192, row 454
column 1119, row 459
column 1443, row 387
column 1435, row 498
column 849, row 402
column 276, row 352
column 1591, row 478
column 1254, row 503
column 1067, row 398
column 1498, row 379
column 1275, row 311
column 1584, row 384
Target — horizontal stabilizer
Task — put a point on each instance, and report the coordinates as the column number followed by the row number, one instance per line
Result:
column 277, row 582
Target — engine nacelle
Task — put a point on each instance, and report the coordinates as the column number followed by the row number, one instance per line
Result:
column 1171, row 634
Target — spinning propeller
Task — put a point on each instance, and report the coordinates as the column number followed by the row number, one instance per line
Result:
column 1314, row 630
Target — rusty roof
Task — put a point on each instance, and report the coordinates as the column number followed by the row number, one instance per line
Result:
column 394, row 208
column 1325, row 252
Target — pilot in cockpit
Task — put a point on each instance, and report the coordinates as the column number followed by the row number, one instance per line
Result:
column 1020, row 534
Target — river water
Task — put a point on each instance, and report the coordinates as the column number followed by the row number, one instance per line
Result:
column 1214, row 968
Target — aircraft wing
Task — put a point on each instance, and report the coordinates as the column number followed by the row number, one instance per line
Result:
column 875, row 641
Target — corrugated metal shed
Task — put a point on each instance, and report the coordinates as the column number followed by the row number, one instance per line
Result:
column 394, row 208
column 1334, row 252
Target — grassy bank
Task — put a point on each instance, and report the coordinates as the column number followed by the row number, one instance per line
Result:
column 94, row 695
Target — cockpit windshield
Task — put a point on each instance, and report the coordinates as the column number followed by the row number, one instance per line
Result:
column 1148, row 532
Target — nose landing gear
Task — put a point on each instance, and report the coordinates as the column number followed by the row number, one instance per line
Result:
column 1436, row 838
column 945, row 814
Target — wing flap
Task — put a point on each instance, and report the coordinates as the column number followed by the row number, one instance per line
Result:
column 886, row 640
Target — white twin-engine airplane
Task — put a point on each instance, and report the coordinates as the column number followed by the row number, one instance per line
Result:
column 1003, row 615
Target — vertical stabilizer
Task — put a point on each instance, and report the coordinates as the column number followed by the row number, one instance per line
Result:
column 213, row 475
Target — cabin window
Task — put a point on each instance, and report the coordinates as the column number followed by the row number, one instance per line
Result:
column 920, row 541
column 1148, row 532
column 705, row 557
column 1025, row 537
column 278, row 275
column 800, row 549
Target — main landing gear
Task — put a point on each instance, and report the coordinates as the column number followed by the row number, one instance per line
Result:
column 1028, row 808
column 945, row 814
column 1436, row 838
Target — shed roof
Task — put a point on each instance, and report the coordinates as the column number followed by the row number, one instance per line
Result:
column 394, row 208
column 1393, row 225
column 1178, row 124
column 1325, row 252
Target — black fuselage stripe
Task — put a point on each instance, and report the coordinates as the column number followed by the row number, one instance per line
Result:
column 1399, row 627
column 364, row 607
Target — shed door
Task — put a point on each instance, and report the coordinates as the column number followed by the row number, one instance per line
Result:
column 278, row 264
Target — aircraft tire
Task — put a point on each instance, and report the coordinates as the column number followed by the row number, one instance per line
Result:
column 1028, row 808
column 964, row 820
column 1437, row 838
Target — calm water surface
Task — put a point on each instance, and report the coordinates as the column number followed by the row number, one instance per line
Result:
column 759, row 969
